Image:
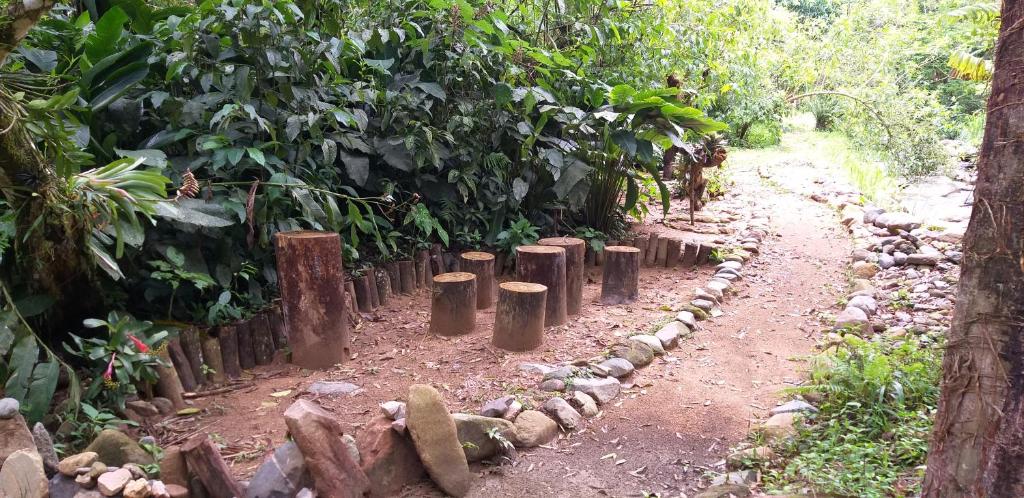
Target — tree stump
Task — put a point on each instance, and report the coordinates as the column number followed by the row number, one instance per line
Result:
column 371, row 281
column 277, row 328
column 246, row 353
column 228, row 337
column 168, row 384
column 672, row 251
column 394, row 277
column 575, row 254
column 214, row 362
column 545, row 265
column 262, row 339
column 311, row 276
column 204, row 461
column 652, row 249
column 703, row 254
column 383, row 285
column 363, row 299
column 451, row 261
column 423, row 271
column 350, row 300
column 407, row 275
column 481, row 264
column 181, row 365
column 621, row 281
column 641, row 243
column 193, row 348
column 661, row 256
column 436, row 260
column 453, row 304
column 519, row 316
column 689, row 255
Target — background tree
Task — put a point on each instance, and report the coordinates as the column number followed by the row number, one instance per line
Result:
column 977, row 443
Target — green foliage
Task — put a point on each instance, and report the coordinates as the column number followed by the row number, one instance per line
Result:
column 86, row 424
column 519, row 233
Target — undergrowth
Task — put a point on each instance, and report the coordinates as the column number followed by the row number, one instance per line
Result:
column 870, row 437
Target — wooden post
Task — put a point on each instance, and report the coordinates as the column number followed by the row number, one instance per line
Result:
column 311, row 276
column 168, row 384
column 672, row 251
column 212, row 357
column 500, row 259
column 689, row 255
column 277, row 327
column 407, row 275
column 481, row 264
column 262, row 339
column 246, row 353
column 652, row 249
column 453, row 304
column 661, row 255
column 206, row 463
column 394, row 277
column 371, row 284
column 436, row 260
column 228, row 337
column 575, row 252
column 181, row 365
column 641, row 243
column 703, row 254
column 519, row 317
column 545, row 265
column 383, row 285
column 363, row 298
column 423, row 272
column 451, row 261
column 621, row 281
column 193, row 348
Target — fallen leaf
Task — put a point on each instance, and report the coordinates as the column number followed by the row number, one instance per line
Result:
column 281, row 394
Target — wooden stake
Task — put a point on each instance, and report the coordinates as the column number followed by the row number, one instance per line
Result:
column 407, row 274
column 575, row 252
column 168, row 384
column 277, row 328
column 394, row 277
column 193, row 348
column 383, row 285
column 228, row 337
column 519, row 317
column 662, row 252
column 181, row 365
column 436, row 260
column 621, row 281
column 371, row 284
column 545, row 265
column 481, row 264
column 453, row 304
column 212, row 357
column 689, row 255
column 423, row 273
column 703, row 254
column 206, row 463
column 262, row 339
column 246, row 353
column 363, row 298
column 652, row 249
column 672, row 252
column 641, row 243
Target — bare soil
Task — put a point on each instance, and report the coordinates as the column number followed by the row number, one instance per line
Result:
column 677, row 421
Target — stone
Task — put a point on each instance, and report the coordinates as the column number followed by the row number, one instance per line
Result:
column 650, row 340
column 552, row 385
column 497, row 407
column 743, row 477
column 730, row 265
column 399, row 426
column 436, row 438
column 715, row 297
column 749, row 456
column 859, row 255
column 794, row 406
column 14, row 436
column 635, row 352
column 563, row 413
column 163, row 405
column 718, row 287
column 778, row 427
column 561, row 373
column 617, row 367
column 539, row 368
column 854, row 320
column 393, row 410
column 23, row 476
column 864, row 269
column 388, row 458
column 725, row 491
column 86, row 481
column 602, row 390
column 729, row 271
column 687, row 319
column 886, row 261
column 111, row 483
column 143, row 408
column 282, row 475
column 44, row 446
column 318, row 434
column 350, row 443
column 325, row 388
column 894, row 222
column 584, row 404
column 99, row 468
column 703, row 304
column 514, row 409
column 474, row 435
column 138, row 488
column 866, row 304
column 114, row 448
column 159, row 489
column 9, row 407
column 871, row 214
column 70, row 465
column 533, row 428
column 861, row 284
column 669, row 334
column 924, row 259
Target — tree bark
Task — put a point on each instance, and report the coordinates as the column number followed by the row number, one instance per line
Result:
column 363, row 298
column 689, row 257
column 262, row 339
column 181, row 365
column 672, row 250
column 453, row 304
column 394, row 277
column 424, row 274
column 205, row 461
column 621, row 280
column 277, row 327
column 519, row 317
column 193, row 348
column 19, row 18
column 246, row 353
column 168, row 384
column 703, row 254
column 652, row 249
column 977, row 442
column 481, row 264
column 545, row 265
column 213, row 359
column 575, row 254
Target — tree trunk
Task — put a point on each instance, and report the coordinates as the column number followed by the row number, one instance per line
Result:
column 977, row 442
column 652, row 249
column 213, row 359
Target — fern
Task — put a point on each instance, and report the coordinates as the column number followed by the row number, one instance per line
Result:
column 984, row 12
column 970, row 67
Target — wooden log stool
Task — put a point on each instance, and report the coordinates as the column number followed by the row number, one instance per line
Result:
column 519, row 316
column 621, row 280
column 453, row 304
column 480, row 264
column 545, row 265
column 575, row 254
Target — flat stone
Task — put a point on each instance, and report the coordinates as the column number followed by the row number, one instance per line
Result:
column 163, row 405
column 115, row 448
column 897, row 221
column 138, row 488
column 853, row 319
column 584, row 404
column 9, row 407
column 725, row 491
column 743, row 477
column 650, row 340
column 23, row 476
column 552, row 385
column 729, row 264
column 474, row 434
column 669, row 334
column 602, row 390
column 538, row 368
column 388, row 458
column 794, row 406
column 436, row 438
column 687, row 319
column 719, row 286
column 282, row 475
column 637, row 353
column 617, row 367
column 70, row 465
column 924, row 259
column 871, row 214
column 703, row 304
column 726, row 276
column 497, row 407
column 533, row 428
column 325, row 388
column 318, row 434
column 393, row 410
column 563, row 413
column 886, row 261
column 778, row 427
column 111, row 483
column 715, row 297
column 14, row 436
column 866, row 304
column 561, row 373
column 143, row 408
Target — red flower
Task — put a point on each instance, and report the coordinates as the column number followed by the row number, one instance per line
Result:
column 109, row 374
column 141, row 346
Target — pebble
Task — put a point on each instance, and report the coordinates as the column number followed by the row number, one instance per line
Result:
column 393, row 410
column 9, row 407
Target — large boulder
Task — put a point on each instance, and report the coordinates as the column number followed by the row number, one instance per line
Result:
column 22, row 476
column 389, row 459
column 533, row 428
column 436, row 438
column 636, row 352
column 475, row 435
column 115, row 448
column 14, row 433
column 319, row 436
column 282, row 475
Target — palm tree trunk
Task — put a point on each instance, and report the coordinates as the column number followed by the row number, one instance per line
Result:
column 977, row 446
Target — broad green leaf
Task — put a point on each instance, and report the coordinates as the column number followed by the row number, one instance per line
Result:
column 40, row 391
column 21, row 364
column 356, row 166
column 106, row 35
column 502, row 94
